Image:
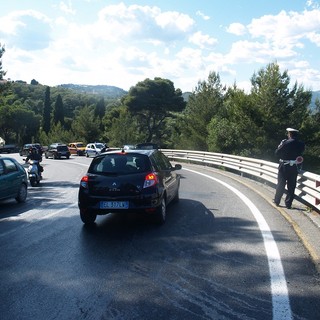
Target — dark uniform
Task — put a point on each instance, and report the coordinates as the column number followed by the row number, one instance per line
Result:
column 288, row 151
column 34, row 155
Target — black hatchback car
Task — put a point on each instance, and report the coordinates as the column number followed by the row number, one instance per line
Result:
column 128, row 181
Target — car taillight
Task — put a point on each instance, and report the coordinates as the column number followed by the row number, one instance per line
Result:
column 150, row 180
column 84, row 182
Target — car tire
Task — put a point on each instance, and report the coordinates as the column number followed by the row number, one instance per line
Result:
column 87, row 216
column 54, row 156
column 22, row 194
column 87, row 155
column 161, row 212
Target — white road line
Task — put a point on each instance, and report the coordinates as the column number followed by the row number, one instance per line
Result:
column 280, row 297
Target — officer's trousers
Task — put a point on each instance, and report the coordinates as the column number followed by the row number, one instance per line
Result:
column 287, row 175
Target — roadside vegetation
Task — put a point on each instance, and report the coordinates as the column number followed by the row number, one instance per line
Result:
column 213, row 118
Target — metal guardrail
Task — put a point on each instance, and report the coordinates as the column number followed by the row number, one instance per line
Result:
column 308, row 184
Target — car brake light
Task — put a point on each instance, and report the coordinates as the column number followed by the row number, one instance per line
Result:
column 84, row 181
column 150, row 180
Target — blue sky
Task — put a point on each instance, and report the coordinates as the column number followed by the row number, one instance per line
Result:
column 120, row 43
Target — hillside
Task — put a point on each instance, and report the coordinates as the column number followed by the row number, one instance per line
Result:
column 101, row 90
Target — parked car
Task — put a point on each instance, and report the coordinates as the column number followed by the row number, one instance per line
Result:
column 77, row 148
column 128, row 181
column 24, row 151
column 93, row 149
column 9, row 148
column 57, row 151
column 13, row 180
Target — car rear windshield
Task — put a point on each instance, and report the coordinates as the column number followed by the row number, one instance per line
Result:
column 62, row 148
column 119, row 163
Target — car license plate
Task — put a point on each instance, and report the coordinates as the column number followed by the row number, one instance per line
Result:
column 114, row 204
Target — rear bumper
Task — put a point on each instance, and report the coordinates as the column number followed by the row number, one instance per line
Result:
column 136, row 204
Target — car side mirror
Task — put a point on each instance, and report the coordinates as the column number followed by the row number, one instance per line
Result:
column 178, row 167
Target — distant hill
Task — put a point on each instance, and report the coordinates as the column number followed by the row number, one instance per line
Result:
column 116, row 92
column 101, row 90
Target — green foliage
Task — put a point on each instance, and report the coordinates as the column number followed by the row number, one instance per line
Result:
column 151, row 102
column 86, row 126
column 280, row 107
column 58, row 112
column 120, row 127
column 204, row 104
column 233, row 130
column 46, row 119
column 215, row 118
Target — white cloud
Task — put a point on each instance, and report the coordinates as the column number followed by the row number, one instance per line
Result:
column 237, row 28
column 202, row 15
column 67, row 7
column 124, row 44
column 202, row 40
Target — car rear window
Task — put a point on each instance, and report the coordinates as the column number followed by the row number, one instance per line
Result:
column 118, row 163
column 62, row 148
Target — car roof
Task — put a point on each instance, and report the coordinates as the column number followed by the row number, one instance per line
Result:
column 130, row 151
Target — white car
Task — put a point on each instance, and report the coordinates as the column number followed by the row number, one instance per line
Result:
column 93, row 149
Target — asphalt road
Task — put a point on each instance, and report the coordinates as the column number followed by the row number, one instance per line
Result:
column 224, row 253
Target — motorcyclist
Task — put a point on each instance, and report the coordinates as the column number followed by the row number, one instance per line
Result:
column 34, row 155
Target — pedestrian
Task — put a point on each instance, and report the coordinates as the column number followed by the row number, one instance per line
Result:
column 289, row 153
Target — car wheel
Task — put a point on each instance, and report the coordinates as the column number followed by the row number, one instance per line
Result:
column 87, row 216
column 161, row 212
column 87, row 155
column 54, row 156
column 46, row 156
column 22, row 194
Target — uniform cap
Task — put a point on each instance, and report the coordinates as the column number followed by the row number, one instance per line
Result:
column 292, row 130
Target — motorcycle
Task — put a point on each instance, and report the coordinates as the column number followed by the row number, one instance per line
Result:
column 34, row 173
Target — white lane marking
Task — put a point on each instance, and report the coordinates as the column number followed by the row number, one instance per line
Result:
column 280, row 297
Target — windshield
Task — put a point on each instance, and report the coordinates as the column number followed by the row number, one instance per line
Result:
column 99, row 145
column 117, row 163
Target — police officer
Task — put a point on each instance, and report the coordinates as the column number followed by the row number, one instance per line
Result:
column 288, row 151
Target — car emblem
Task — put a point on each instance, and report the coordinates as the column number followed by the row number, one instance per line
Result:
column 114, row 184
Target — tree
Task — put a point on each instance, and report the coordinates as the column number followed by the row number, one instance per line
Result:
column 280, row 107
column 120, row 127
column 18, row 124
column 204, row 103
column 152, row 102
column 86, row 126
column 100, row 109
column 3, row 84
column 233, row 130
column 58, row 112
column 46, row 120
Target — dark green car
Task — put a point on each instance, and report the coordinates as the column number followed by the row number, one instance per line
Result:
column 13, row 180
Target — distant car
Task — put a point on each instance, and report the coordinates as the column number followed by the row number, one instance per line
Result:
column 77, row 148
column 9, row 148
column 57, row 151
column 128, row 181
column 13, row 180
column 24, row 151
column 93, row 149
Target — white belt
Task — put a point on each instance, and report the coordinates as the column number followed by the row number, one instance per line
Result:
column 290, row 162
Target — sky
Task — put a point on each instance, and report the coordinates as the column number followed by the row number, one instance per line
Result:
column 120, row 43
